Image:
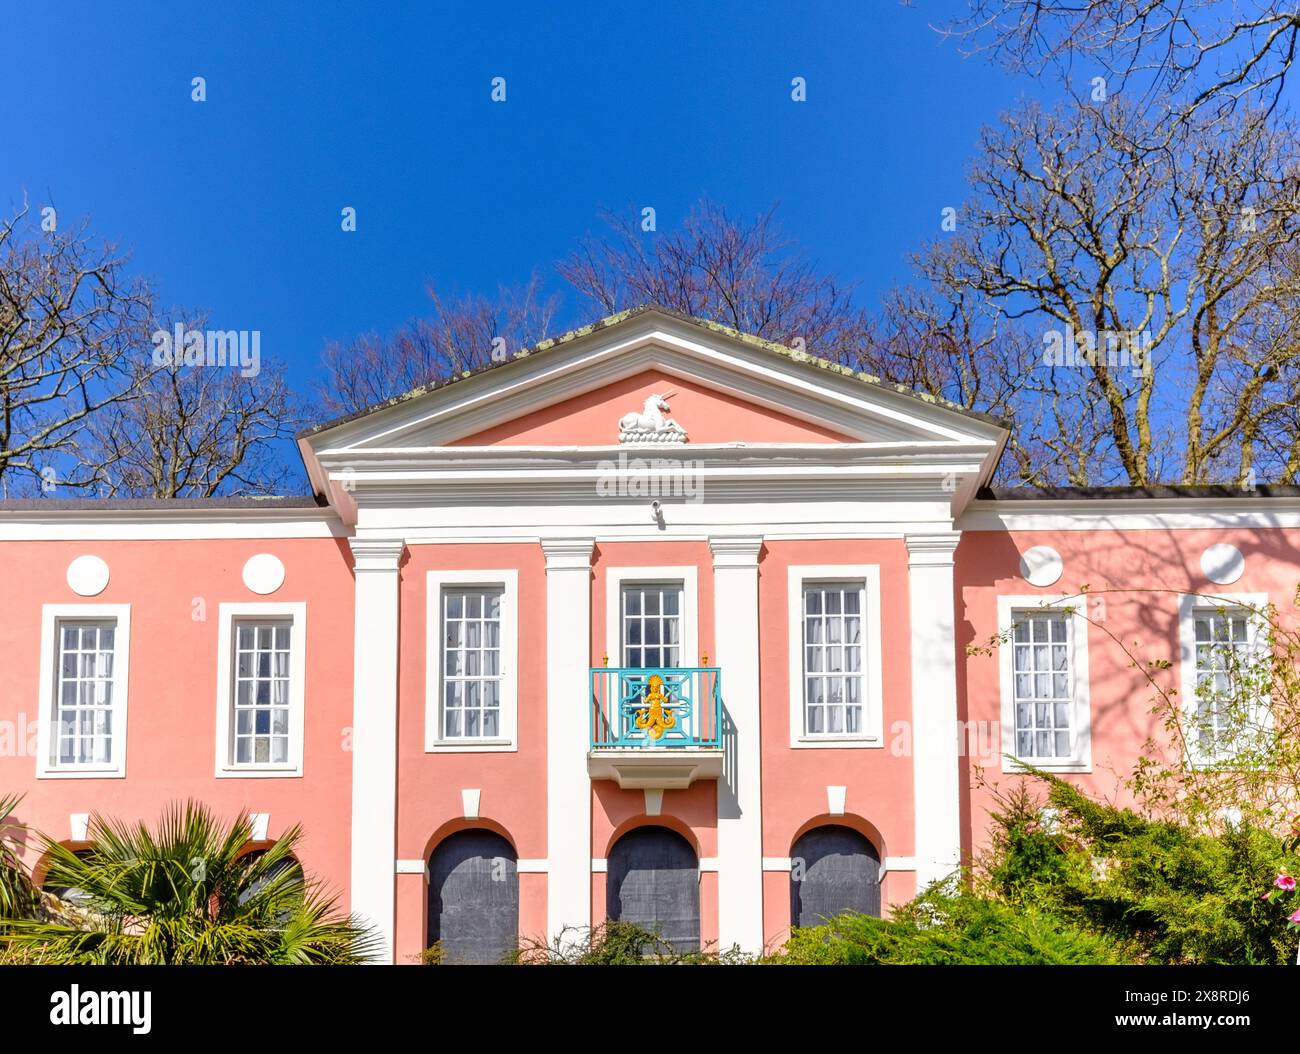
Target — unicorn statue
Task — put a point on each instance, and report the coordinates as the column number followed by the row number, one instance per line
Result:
column 651, row 425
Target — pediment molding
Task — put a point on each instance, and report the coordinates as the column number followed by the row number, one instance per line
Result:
column 403, row 453
column 863, row 412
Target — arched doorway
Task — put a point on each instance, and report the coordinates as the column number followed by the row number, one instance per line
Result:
column 474, row 897
column 833, row 869
column 653, row 880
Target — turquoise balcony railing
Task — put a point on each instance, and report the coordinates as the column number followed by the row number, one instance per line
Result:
column 656, row 709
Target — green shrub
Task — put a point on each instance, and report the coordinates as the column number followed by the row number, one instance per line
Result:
column 948, row 928
column 617, row 943
column 1182, row 896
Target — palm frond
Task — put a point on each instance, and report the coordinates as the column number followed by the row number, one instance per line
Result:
column 18, row 897
column 188, row 891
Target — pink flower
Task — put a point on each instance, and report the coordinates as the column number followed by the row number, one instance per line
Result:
column 1294, row 917
column 1285, row 882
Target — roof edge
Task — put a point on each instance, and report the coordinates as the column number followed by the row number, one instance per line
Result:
column 621, row 317
column 1152, row 492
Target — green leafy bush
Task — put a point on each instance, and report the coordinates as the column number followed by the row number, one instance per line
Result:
column 617, row 943
column 947, row 927
column 1179, row 895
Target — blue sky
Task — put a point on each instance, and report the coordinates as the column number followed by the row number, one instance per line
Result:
column 233, row 205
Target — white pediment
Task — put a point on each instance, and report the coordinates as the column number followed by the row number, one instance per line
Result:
column 804, row 390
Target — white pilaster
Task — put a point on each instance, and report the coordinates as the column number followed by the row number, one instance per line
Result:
column 374, row 736
column 740, row 822
column 935, row 760
column 568, row 699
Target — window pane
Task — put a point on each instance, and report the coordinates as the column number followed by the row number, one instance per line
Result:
column 1224, row 651
column 262, row 690
column 83, row 693
column 471, row 661
column 651, row 625
column 833, row 647
column 1042, row 686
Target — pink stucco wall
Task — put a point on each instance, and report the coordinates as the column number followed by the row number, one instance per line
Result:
column 513, row 783
column 174, row 589
column 592, row 419
column 879, row 799
column 1133, row 578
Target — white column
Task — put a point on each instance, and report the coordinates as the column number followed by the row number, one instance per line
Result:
column 374, row 736
column 740, row 820
column 935, row 760
column 568, row 699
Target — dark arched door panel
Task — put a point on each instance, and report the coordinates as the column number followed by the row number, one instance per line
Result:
column 832, row 870
column 474, row 897
column 653, row 880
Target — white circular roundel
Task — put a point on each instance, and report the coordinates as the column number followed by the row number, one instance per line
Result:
column 1041, row 565
column 1222, row 563
column 264, row 573
column 88, row 576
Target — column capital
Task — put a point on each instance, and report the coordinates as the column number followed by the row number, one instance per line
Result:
column 931, row 549
column 568, row 553
column 736, row 551
column 376, row 554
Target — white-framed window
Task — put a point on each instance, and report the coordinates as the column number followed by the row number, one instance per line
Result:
column 85, row 650
column 471, row 662
column 261, row 688
column 836, row 695
column 1046, row 712
column 1220, row 637
column 472, row 656
column 651, row 623
column 652, row 617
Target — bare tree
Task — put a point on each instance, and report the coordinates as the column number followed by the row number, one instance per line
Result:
column 69, row 318
column 1216, row 52
column 746, row 275
column 958, row 347
column 192, row 431
column 1160, row 285
column 463, row 333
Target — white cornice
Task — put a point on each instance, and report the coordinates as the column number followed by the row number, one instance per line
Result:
column 376, row 554
column 884, row 425
column 931, row 548
column 735, row 551
column 951, row 456
column 168, row 524
column 566, row 554
column 1132, row 514
column 778, row 382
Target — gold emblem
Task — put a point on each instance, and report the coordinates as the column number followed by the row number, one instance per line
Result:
column 653, row 718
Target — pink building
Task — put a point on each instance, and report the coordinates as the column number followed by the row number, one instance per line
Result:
column 656, row 621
